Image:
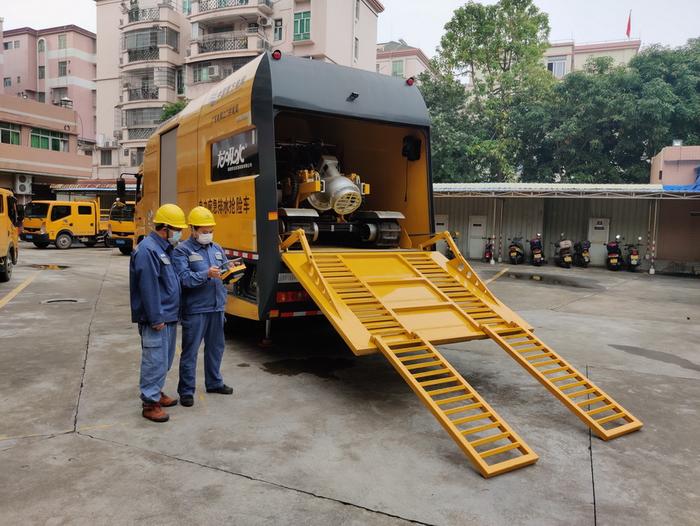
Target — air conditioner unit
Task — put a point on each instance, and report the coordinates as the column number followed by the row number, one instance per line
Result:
column 23, row 184
column 117, row 134
column 264, row 21
column 213, row 72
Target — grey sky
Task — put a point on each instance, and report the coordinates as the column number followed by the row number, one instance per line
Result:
column 421, row 23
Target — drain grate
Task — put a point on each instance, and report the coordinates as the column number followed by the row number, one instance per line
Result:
column 62, row 300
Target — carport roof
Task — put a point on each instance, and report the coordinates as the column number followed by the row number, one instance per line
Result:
column 609, row 191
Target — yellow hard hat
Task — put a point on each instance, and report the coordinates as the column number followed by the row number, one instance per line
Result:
column 171, row 215
column 200, row 216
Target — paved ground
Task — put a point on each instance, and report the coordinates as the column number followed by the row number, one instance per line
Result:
column 315, row 436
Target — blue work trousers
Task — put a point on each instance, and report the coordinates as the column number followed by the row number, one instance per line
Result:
column 208, row 326
column 157, row 353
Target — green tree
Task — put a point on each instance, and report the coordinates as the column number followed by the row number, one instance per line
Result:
column 173, row 108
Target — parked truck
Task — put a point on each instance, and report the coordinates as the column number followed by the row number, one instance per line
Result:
column 319, row 178
column 61, row 223
column 9, row 238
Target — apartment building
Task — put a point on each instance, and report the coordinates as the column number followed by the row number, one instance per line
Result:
column 152, row 52
column 2, row 58
column 54, row 66
column 564, row 57
column 401, row 60
column 38, row 147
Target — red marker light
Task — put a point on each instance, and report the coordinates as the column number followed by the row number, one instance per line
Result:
column 276, row 54
column 410, row 81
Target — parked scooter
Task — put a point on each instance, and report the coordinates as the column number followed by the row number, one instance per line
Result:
column 516, row 252
column 632, row 258
column 488, row 250
column 614, row 261
column 582, row 254
column 449, row 254
column 536, row 253
column 562, row 253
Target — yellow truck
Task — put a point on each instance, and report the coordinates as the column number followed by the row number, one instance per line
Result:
column 9, row 237
column 121, row 227
column 62, row 222
column 319, row 178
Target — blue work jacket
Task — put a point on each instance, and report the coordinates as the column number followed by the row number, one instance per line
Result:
column 153, row 284
column 200, row 293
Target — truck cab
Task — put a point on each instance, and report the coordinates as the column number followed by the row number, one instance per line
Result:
column 9, row 240
column 121, row 227
column 62, row 222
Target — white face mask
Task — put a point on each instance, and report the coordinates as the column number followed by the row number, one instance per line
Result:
column 205, row 239
column 174, row 239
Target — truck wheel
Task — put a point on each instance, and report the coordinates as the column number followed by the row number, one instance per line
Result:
column 125, row 250
column 5, row 269
column 41, row 245
column 64, row 241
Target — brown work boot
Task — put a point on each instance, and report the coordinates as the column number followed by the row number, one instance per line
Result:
column 166, row 401
column 154, row 412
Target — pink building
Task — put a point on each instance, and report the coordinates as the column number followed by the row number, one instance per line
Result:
column 53, row 66
column 401, row 60
column 675, row 165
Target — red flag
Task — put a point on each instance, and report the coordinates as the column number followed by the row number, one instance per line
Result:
column 629, row 25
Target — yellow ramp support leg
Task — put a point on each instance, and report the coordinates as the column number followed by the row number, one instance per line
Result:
column 491, row 445
column 606, row 418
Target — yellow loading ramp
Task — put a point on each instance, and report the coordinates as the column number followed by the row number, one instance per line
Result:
column 404, row 302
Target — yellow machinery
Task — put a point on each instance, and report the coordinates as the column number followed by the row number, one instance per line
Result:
column 9, row 238
column 319, row 179
column 63, row 222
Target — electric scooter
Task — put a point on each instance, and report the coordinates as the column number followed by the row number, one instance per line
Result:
column 562, row 253
column 614, row 261
column 582, row 255
column 633, row 260
column 515, row 251
column 488, row 250
column 536, row 254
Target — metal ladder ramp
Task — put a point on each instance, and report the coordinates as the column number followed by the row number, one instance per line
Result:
column 606, row 418
column 491, row 445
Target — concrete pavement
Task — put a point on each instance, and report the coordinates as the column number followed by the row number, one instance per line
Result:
column 314, row 435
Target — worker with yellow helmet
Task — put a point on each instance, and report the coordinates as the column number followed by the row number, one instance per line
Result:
column 199, row 263
column 155, row 305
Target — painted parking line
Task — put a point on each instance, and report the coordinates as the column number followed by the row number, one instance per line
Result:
column 19, row 288
column 497, row 275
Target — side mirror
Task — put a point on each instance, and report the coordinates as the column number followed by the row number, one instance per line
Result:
column 121, row 189
column 137, row 197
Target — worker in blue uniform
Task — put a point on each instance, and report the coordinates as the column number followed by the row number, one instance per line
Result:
column 199, row 263
column 155, row 305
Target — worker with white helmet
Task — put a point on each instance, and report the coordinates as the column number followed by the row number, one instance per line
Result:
column 199, row 263
column 155, row 305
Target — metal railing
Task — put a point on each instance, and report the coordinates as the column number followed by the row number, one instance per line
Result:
column 135, row 134
column 211, row 5
column 230, row 41
column 143, row 93
column 143, row 15
column 151, row 53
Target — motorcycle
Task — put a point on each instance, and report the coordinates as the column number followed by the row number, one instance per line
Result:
column 582, row 255
column 536, row 254
column 448, row 253
column 488, row 250
column 614, row 260
column 515, row 251
column 562, row 253
column 633, row 260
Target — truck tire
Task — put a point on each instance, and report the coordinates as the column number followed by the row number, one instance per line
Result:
column 5, row 268
column 125, row 250
column 64, row 241
column 41, row 245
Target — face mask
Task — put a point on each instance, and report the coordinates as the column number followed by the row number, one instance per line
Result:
column 174, row 239
column 205, row 239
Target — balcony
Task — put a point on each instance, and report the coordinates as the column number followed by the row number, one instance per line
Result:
column 143, row 15
column 211, row 5
column 139, row 134
column 145, row 93
column 231, row 43
column 137, row 55
column 230, row 10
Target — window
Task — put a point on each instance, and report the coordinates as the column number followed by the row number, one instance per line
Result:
column 62, row 68
column 19, row 79
column 41, row 96
column 278, row 30
column 356, row 50
column 557, row 66
column 7, row 82
column 105, row 157
column 357, row 9
column 59, row 212
column 302, row 25
column 187, row 7
column 42, row 72
column 49, row 140
column 143, row 117
column 84, row 210
column 180, row 81
column 397, row 68
column 136, row 157
column 7, row 45
column 661, row 173
column 16, row 44
column 379, row 68
column 59, row 93
column 36, row 210
column 41, row 46
column 9, row 133
column 62, row 41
